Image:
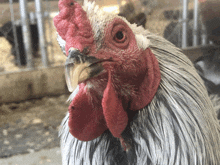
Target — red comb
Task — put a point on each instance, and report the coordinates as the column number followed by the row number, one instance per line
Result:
column 73, row 25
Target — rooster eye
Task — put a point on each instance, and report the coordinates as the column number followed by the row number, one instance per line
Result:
column 119, row 35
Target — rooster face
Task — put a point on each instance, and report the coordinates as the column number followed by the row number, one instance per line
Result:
column 118, row 54
column 116, row 71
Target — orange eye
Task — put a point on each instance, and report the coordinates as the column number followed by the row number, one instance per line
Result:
column 119, row 37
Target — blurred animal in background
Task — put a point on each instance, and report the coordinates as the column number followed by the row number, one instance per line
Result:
column 176, row 14
column 210, row 14
column 208, row 67
column 137, row 12
column 136, row 99
column 128, row 11
column 148, row 6
column 7, row 31
column 173, row 33
column 210, row 18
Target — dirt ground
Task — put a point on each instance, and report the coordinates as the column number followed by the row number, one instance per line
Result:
column 31, row 125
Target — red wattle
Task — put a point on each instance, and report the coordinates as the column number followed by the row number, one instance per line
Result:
column 115, row 116
column 85, row 122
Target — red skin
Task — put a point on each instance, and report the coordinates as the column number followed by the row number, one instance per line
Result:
column 129, row 82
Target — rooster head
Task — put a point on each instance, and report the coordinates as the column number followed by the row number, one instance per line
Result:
column 110, row 67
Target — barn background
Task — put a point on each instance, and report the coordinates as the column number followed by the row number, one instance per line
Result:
column 33, row 93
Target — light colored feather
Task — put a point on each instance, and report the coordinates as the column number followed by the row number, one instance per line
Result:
column 62, row 43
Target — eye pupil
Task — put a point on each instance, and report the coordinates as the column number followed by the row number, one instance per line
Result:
column 71, row 3
column 119, row 35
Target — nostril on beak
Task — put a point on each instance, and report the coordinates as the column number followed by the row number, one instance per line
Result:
column 73, row 51
column 75, row 55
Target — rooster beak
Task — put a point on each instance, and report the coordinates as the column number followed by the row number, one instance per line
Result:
column 80, row 67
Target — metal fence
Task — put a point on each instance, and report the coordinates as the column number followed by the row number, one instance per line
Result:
column 28, row 37
column 189, row 30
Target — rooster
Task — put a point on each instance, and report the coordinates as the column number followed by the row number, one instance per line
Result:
column 136, row 98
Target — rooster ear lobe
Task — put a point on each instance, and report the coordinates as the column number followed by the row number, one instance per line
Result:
column 150, row 83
